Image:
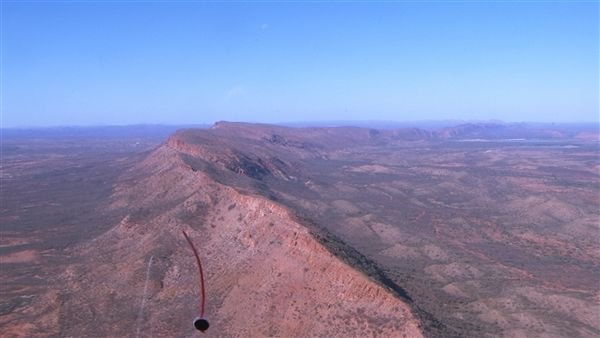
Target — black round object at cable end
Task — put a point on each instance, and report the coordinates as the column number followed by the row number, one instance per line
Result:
column 201, row 324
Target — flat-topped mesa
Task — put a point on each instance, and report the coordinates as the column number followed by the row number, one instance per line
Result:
column 261, row 151
column 263, row 140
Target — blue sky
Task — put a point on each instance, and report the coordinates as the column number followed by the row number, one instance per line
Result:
column 99, row 62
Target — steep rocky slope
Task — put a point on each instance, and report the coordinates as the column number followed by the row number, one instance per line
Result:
column 488, row 230
column 481, row 230
column 267, row 275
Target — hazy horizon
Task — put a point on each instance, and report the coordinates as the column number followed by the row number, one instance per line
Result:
column 377, row 124
column 184, row 63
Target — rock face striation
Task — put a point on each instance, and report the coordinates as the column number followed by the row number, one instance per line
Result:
column 267, row 274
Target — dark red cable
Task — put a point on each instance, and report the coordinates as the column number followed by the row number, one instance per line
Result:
column 200, row 271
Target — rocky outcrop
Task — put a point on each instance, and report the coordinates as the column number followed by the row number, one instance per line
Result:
column 266, row 273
